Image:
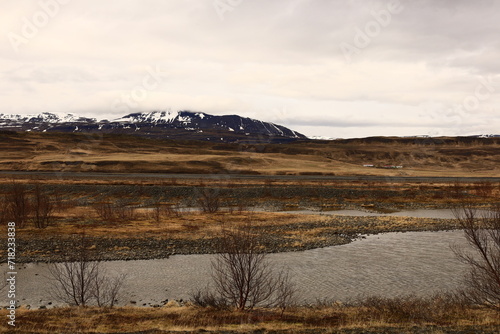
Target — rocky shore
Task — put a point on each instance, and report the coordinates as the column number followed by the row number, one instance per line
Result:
column 329, row 231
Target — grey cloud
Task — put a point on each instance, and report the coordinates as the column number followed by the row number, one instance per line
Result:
column 286, row 50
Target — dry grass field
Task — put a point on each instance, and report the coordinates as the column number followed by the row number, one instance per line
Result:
column 408, row 315
column 132, row 217
column 121, row 213
column 452, row 157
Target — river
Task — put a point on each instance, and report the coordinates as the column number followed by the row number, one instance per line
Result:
column 388, row 264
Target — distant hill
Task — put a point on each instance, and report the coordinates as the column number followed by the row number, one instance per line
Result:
column 185, row 125
column 130, row 153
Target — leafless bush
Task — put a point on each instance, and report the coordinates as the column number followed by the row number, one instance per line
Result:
column 18, row 205
column 209, row 200
column 243, row 275
column 42, row 208
column 107, row 289
column 157, row 212
column 285, row 292
column 110, row 212
column 104, row 210
column 161, row 210
column 482, row 232
column 124, row 213
column 207, row 298
column 172, row 210
column 84, row 282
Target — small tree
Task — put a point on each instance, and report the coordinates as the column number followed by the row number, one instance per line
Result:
column 42, row 208
column 84, row 282
column 105, row 211
column 18, row 204
column 482, row 232
column 157, row 212
column 209, row 200
column 243, row 275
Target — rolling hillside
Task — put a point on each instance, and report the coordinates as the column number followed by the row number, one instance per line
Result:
column 101, row 152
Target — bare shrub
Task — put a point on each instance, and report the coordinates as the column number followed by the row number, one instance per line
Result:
column 109, row 212
column 172, row 210
column 209, row 200
column 18, row 205
column 482, row 232
column 104, row 210
column 124, row 213
column 161, row 210
column 83, row 282
column 207, row 298
column 243, row 275
column 42, row 208
column 156, row 213
column 106, row 288
column 285, row 292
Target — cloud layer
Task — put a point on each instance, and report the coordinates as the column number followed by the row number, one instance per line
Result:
column 331, row 68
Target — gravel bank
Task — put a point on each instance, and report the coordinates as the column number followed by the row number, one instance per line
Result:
column 330, row 231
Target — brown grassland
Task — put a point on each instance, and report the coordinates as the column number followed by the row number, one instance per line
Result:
column 453, row 157
column 403, row 315
column 121, row 207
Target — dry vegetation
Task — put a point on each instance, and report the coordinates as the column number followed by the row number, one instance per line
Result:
column 120, row 153
column 124, row 208
column 440, row 314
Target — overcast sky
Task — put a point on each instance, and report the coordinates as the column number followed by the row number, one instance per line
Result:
column 352, row 68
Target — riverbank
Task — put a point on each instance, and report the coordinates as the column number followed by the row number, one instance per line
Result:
column 199, row 234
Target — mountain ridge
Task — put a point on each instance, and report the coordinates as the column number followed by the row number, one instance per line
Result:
column 190, row 124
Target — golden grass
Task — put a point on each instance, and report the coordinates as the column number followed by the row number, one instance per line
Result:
column 110, row 153
column 198, row 225
column 191, row 318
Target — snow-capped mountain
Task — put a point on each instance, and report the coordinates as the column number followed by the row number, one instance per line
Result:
column 44, row 117
column 157, row 123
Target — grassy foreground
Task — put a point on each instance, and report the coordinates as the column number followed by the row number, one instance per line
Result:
column 373, row 315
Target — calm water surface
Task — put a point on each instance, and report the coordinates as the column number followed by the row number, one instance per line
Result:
column 387, row 265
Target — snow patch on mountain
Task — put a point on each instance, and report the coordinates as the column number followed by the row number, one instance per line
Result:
column 44, row 117
column 154, row 117
column 320, row 137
